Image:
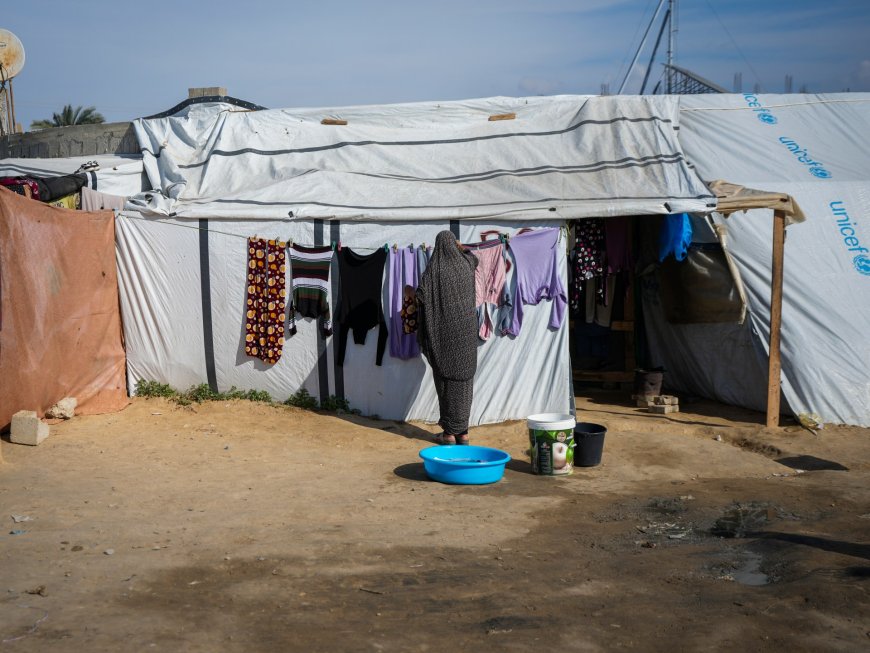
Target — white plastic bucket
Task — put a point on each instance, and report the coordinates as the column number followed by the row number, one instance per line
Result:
column 551, row 443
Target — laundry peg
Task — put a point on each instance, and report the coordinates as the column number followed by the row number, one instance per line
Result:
column 333, row 245
column 339, row 245
column 395, row 247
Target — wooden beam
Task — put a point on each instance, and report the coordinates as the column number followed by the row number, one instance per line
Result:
column 774, row 365
column 503, row 116
column 333, row 121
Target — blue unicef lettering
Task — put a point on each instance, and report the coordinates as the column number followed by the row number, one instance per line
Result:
column 763, row 113
column 815, row 168
column 862, row 264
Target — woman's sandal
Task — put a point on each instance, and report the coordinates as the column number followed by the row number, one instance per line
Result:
column 444, row 438
column 462, row 439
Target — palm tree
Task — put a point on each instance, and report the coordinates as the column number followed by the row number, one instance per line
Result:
column 69, row 116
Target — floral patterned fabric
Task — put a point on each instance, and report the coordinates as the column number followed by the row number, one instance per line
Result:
column 589, row 254
column 266, row 299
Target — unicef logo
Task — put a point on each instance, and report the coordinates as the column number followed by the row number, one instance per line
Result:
column 821, row 173
column 862, row 264
column 767, row 118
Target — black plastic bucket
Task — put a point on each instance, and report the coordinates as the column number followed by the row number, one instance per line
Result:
column 588, row 444
column 648, row 383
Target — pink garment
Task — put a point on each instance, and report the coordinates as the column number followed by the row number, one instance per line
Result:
column 489, row 280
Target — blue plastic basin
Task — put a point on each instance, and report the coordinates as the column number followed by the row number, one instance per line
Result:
column 459, row 464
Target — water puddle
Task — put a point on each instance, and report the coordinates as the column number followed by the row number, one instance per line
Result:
column 749, row 573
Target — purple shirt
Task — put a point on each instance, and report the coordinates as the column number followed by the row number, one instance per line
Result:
column 403, row 272
column 537, row 277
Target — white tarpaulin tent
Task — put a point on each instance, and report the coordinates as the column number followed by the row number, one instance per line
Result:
column 392, row 174
column 812, row 147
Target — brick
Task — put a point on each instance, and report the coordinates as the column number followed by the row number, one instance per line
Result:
column 27, row 428
column 644, row 402
column 666, row 400
column 664, row 409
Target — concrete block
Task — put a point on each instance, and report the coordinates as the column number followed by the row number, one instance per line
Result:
column 663, row 409
column 63, row 409
column 644, row 402
column 666, row 400
column 27, row 428
column 205, row 91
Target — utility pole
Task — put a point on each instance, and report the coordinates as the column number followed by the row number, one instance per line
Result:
column 671, row 52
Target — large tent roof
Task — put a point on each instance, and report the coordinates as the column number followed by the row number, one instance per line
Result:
column 556, row 157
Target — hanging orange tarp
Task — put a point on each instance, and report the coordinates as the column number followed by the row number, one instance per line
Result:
column 60, row 325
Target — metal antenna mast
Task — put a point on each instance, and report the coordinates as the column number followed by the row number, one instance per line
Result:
column 671, row 44
column 640, row 47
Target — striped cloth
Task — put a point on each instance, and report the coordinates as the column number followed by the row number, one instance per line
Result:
column 310, row 270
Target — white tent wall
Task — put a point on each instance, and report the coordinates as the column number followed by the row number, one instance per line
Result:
column 161, row 301
column 811, row 147
column 724, row 362
column 118, row 175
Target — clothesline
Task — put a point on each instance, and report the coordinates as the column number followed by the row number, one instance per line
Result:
column 290, row 241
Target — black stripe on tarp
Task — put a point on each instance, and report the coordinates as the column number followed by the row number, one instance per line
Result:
column 454, row 228
column 337, row 370
column 542, row 200
column 445, row 141
column 93, row 179
column 205, row 291
column 596, row 166
column 322, row 362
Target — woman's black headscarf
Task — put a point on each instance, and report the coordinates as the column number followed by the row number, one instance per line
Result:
column 447, row 331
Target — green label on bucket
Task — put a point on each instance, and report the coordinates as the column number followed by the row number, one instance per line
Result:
column 552, row 452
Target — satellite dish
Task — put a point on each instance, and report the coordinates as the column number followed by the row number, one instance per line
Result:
column 11, row 55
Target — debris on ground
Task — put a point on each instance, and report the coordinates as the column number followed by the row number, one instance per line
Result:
column 671, row 530
column 741, row 520
column 63, row 409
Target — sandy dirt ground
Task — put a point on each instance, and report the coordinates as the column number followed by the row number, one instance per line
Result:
column 247, row 527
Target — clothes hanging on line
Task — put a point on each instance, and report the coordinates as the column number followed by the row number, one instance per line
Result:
column 617, row 239
column 600, row 312
column 309, row 267
column 589, row 259
column 675, row 236
column 266, row 299
column 404, row 279
column 360, row 306
column 537, row 277
column 22, row 186
column 491, row 297
column 423, row 255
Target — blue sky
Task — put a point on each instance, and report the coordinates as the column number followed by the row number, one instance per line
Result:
column 133, row 59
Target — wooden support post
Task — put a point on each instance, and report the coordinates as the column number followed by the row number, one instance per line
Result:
column 774, row 366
